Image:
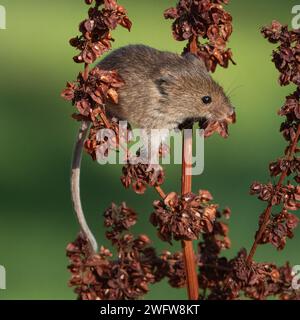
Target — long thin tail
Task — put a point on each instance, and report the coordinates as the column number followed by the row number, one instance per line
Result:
column 75, row 185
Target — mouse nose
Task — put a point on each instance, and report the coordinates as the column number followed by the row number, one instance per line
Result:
column 232, row 111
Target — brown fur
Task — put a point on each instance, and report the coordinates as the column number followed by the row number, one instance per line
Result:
column 163, row 89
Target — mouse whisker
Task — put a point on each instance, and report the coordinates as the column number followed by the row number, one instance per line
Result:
column 230, row 92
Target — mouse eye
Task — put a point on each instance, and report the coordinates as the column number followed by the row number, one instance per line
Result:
column 207, row 100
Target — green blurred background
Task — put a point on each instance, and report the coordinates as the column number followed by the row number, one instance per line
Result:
column 37, row 134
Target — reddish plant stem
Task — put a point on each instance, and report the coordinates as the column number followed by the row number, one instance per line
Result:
column 193, row 45
column 106, row 121
column 187, row 246
column 186, row 187
column 160, row 191
column 86, row 71
column 267, row 213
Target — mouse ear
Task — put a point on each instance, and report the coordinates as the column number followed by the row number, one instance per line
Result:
column 195, row 59
column 162, row 84
column 165, row 78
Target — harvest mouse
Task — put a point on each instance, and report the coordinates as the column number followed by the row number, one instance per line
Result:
column 164, row 90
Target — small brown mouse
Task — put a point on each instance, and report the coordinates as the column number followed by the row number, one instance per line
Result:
column 163, row 89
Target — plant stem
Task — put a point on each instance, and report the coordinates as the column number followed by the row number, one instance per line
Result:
column 86, row 71
column 268, row 211
column 187, row 246
column 186, row 187
column 160, row 191
column 106, row 121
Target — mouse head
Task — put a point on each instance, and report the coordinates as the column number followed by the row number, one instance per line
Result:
column 191, row 95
